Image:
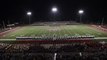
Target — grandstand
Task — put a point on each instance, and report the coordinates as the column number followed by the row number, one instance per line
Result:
column 75, row 51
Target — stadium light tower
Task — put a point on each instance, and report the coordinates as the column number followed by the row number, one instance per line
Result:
column 81, row 12
column 54, row 10
column 29, row 14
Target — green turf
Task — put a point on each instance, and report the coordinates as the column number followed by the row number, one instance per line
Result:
column 55, row 30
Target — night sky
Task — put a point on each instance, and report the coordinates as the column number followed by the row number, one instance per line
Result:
column 15, row 10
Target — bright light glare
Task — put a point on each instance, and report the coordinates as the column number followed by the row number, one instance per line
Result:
column 80, row 54
column 55, row 54
column 54, row 9
column 81, row 11
column 29, row 13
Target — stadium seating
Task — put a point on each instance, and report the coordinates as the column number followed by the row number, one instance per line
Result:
column 74, row 51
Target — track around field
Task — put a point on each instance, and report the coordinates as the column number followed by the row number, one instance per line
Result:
column 100, row 28
column 8, row 31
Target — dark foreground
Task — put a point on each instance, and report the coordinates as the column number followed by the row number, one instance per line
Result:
column 70, row 51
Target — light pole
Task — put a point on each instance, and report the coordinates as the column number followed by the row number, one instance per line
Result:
column 4, row 25
column 29, row 14
column 102, row 21
column 80, row 12
column 54, row 10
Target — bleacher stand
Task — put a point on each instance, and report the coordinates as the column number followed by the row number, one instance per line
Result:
column 74, row 51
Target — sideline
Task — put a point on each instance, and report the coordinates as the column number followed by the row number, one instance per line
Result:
column 5, row 32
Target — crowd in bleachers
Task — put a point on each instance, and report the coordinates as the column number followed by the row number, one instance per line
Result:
column 74, row 51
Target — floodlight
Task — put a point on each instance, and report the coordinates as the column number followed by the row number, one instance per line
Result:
column 54, row 9
column 29, row 13
column 81, row 11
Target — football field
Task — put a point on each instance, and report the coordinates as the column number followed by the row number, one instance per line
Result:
column 70, row 30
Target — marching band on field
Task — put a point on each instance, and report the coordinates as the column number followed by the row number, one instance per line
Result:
column 56, row 37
